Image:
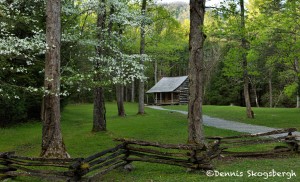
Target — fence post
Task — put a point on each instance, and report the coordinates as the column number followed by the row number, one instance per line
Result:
column 77, row 170
column 128, row 166
column 291, row 141
column 201, row 159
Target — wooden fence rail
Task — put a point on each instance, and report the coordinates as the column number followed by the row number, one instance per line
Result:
column 194, row 157
column 12, row 166
column 185, row 155
column 279, row 145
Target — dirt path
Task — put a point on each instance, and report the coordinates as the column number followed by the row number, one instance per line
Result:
column 230, row 125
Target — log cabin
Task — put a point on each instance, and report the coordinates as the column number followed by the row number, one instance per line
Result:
column 170, row 90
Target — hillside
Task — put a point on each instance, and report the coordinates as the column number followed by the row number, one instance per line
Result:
column 179, row 10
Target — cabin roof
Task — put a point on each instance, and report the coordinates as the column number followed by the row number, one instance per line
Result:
column 167, row 84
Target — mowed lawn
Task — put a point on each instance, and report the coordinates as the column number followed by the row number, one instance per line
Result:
column 272, row 117
column 161, row 126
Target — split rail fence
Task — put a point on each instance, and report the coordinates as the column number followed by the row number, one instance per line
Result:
column 193, row 157
column 282, row 142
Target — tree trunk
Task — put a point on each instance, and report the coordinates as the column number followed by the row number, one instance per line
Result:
column 249, row 111
column 99, row 113
column 120, row 99
column 142, row 52
column 298, row 82
column 270, row 90
column 52, row 140
column 298, row 93
column 298, row 100
column 126, row 93
column 255, row 94
column 155, row 71
column 196, row 72
column 132, row 91
column 99, row 119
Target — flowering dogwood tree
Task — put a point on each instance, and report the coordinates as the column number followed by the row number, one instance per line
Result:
column 22, row 45
column 101, row 29
column 23, row 50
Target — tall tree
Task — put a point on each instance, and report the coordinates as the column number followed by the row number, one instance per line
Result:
column 52, row 141
column 142, row 53
column 196, row 72
column 119, row 86
column 244, row 62
column 263, row 42
column 99, row 115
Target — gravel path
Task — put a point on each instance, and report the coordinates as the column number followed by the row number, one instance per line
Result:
column 230, row 125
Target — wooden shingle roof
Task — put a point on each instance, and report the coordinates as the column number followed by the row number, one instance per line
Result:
column 167, row 84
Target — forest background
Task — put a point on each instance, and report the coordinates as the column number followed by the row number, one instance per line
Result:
column 272, row 34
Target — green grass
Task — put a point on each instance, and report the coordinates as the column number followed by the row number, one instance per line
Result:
column 272, row 117
column 162, row 126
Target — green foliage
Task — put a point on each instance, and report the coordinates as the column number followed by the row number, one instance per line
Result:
column 21, row 60
column 12, row 111
column 272, row 46
column 222, row 90
column 290, row 90
column 232, row 64
column 166, row 43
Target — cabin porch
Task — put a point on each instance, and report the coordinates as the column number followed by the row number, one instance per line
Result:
column 166, row 98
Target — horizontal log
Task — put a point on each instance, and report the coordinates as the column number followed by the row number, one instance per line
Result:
column 152, row 151
column 92, row 157
column 204, row 166
column 291, row 143
column 261, row 141
column 41, row 175
column 288, row 130
column 160, row 161
column 253, row 141
column 256, row 154
column 143, row 155
column 247, row 143
column 160, row 145
column 43, row 172
column 41, row 159
column 23, row 163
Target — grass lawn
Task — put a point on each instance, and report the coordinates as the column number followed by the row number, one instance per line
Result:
column 272, row 117
column 156, row 125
